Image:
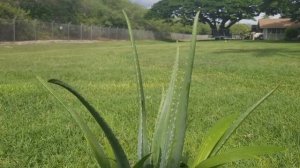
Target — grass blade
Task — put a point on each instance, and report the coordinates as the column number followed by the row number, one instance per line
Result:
column 143, row 147
column 238, row 122
column 212, row 137
column 97, row 149
column 238, row 154
column 140, row 163
column 121, row 157
column 160, row 135
column 179, row 127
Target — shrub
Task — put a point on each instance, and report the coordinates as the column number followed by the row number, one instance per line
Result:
column 291, row 34
column 240, row 29
column 169, row 134
column 163, row 26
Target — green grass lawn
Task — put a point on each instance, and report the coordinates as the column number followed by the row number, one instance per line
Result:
column 35, row 131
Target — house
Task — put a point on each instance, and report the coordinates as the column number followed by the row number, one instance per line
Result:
column 273, row 29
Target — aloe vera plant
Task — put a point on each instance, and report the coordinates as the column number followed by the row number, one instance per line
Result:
column 169, row 134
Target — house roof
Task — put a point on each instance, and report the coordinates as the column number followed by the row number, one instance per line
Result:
column 278, row 23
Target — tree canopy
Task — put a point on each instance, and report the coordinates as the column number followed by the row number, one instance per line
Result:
column 52, row 10
column 91, row 12
column 8, row 11
column 109, row 12
column 286, row 8
column 97, row 12
column 219, row 14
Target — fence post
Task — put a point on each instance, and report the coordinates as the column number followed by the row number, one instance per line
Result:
column 52, row 31
column 69, row 30
column 117, row 33
column 14, row 29
column 91, row 32
column 81, row 31
column 35, row 29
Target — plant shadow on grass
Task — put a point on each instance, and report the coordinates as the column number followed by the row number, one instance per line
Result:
column 270, row 52
column 272, row 41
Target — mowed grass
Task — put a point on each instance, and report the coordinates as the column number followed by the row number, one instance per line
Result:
column 35, row 131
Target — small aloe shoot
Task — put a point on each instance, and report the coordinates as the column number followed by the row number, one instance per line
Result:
column 238, row 154
column 169, row 133
column 220, row 133
column 238, row 122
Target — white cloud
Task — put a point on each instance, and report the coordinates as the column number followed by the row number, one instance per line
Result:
column 255, row 21
column 146, row 3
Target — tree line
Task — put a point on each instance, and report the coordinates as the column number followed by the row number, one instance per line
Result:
column 217, row 16
column 221, row 15
column 91, row 12
column 98, row 12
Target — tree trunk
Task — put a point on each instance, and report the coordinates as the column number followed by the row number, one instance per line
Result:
column 224, row 32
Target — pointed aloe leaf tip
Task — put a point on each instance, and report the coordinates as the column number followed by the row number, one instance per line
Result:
column 97, row 149
column 118, row 150
column 178, row 128
column 143, row 148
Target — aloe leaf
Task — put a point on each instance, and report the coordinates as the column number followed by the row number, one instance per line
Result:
column 110, row 153
column 143, row 148
column 160, row 109
column 159, row 139
column 154, row 159
column 121, row 157
column 140, row 163
column 97, row 149
column 159, row 160
column 238, row 154
column 179, row 126
column 238, row 122
column 212, row 137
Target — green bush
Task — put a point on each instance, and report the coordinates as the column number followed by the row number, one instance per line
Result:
column 240, row 29
column 291, row 34
column 162, row 26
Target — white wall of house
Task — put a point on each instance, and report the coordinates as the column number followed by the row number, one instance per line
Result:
column 273, row 34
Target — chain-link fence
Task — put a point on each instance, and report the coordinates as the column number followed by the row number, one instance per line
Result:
column 26, row 30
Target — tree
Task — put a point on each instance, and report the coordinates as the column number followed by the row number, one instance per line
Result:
column 286, row 8
column 108, row 12
column 219, row 14
column 8, row 11
column 52, row 10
